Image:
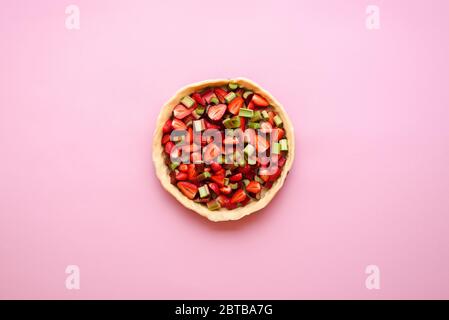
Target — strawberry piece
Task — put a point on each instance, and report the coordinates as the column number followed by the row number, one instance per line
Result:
column 178, row 125
column 211, row 125
column 191, row 172
column 253, row 187
column 226, row 190
column 165, row 138
column 218, row 179
column 245, row 202
column 271, row 117
column 198, row 98
column 236, row 177
column 265, row 127
column 214, row 187
column 259, row 101
column 262, row 144
column 281, row 161
column 223, row 201
column 183, row 167
column 167, row 126
column 215, row 166
column 277, row 133
column 180, row 111
column 208, row 95
column 211, row 152
column 251, row 106
column 235, row 105
column 238, row 196
column 221, row 94
column 181, row 176
column 169, row 147
column 215, row 113
column 188, row 189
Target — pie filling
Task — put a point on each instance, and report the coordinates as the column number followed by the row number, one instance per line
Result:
column 224, row 146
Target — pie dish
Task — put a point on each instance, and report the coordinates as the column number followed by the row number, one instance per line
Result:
column 223, row 148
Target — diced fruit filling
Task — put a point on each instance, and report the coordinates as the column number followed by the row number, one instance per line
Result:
column 224, row 146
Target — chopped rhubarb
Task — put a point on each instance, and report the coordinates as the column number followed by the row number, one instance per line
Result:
column 213, row 205
column 284, row 145
column 233, row 85
column 188, row 101
column 230, row 96
column 247, row 113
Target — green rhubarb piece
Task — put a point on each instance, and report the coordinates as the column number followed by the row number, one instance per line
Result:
column 226, row 181
column 257, row 116
column 254, row 125
column 246, row 182
column 233, row 85
column 187, row 101
column 204, row 191
column 234, row 186
column 246, row 94
column 213, row 205
column 284, row 144
column 258, row 179
column 247, row 113
column 278, row 121
column 203, row 176
column 230, row 96
column 275, row 148
column 198, row 125
column 221, row 159
column 265, row 115
column 252, row 160
column 174, row 165
column 200, row 110
column 232, row 123
column 249, row 150
column 214, row 100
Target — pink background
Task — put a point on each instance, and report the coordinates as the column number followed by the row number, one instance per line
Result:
column 369, row 186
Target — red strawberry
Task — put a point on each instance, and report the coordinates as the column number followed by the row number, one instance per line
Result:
column 253, row 187
column 251, row 105
column 181, row 176
column 277, row 133
column 214, row 187
column 178, row 125
column 215, row 166
column 245, row 202
column 242, row 123
column 265, row 127
column 215, row 113
column 238, row 196
column 259, row 101
column 281, row 161
column 167, row 126
column 226, row 189
column 221, row 94
column 218, row 179
column 211, row 152
column 189, row 189
column 198, row 98
column 236, row 177
column 165, row 138
column 183, row 167
column 235, row 105
column 262, row 144
column 180, row 111
column 223, row 201
column 271, row 117
column 208, row 95
column 191, row 172
column 169, row 147
column 211, row 125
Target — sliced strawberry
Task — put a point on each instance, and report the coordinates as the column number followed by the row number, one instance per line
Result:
column 245, row 202
column 277, row 133
column 211, row 152
column 198, row 98
column 211, row 125
column 214, row 187
column 215, row 166
column 218, row 179
column 259, row 101
column 188, row 189
column 181, row 176
column 165, row 138
column 221, row 94
column 281, row 161
column 236, row 177
column 167, row 126
column 178, row 125
column 265, row 127
column 180, row 111
column 262, row 144
column 215, row 113
column 271, row 117
column 253, row 187
column 169, row 147
column 226, row 190
column 235, row 105
column 223, row 201
column 183, row 167
column 208, row 95
column 238, row 196
column 191, row 172
column 251, row 106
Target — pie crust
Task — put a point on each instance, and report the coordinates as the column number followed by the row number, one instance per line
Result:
column 162, row 171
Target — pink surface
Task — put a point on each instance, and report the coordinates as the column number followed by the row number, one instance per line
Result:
column 371, row 176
